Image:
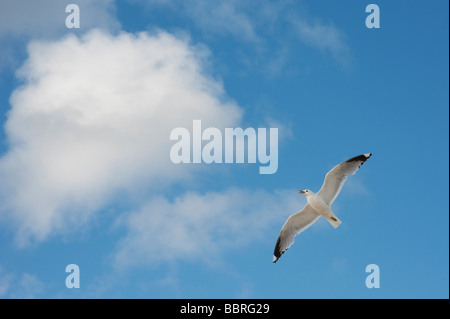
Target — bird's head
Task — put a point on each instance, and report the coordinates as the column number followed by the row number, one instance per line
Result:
column 306, row 192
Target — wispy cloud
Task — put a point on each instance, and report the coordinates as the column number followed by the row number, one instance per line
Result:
column 223, row 17
column 5, row 282
column 200, row 226
column 326, row 38
column 270, row 28
column 23, row 286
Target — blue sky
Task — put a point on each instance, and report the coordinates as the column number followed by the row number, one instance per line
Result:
column 86, row 177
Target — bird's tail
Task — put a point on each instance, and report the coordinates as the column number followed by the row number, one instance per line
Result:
column 334, row 221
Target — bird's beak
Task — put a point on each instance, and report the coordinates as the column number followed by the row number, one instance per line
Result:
column 301, row 192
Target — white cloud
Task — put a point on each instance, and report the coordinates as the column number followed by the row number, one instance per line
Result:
column 92, row 121
column 202, row 226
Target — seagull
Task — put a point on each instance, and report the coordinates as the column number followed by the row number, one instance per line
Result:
column 318, row 204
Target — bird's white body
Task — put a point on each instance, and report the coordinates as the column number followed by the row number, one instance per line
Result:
column 319, row 205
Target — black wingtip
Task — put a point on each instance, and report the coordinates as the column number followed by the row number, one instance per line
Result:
column 362, row 158
column 277, row 251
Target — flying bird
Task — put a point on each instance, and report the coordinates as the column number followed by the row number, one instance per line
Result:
column 318, row 204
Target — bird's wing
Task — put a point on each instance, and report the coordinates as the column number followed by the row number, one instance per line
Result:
column 334, row 180
column 294, row 225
